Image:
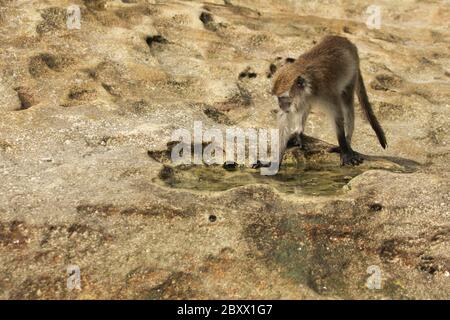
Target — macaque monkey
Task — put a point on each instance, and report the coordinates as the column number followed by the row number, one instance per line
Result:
column 328, row 75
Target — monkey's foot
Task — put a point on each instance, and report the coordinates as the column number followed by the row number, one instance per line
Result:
column 296, row 140
column 351, row 158
column 258, row 164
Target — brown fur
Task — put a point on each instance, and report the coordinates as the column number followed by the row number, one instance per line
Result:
column 317, row 65
column 328, row 74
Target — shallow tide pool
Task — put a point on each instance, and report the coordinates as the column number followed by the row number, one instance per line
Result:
column 318, row 179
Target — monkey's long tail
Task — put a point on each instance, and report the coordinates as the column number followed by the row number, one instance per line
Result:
column 368, row 111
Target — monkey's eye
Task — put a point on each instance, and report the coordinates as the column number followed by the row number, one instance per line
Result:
column 301, row 82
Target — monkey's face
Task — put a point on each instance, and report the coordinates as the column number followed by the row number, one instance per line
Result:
column 294, row 95
column 291, row 86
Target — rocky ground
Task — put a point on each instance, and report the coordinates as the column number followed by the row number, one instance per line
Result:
column 86, row 116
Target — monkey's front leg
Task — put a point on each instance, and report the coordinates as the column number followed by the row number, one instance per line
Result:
column 277, row 151
column 298, row 123
column 285, row 126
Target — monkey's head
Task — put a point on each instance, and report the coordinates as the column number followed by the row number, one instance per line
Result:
column 290, row 86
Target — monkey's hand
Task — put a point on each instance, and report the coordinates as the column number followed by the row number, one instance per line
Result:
column 351, row 158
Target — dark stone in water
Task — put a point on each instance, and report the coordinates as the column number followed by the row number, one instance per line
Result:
column 230, row 165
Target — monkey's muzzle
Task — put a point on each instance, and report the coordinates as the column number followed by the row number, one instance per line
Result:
column 284, row 103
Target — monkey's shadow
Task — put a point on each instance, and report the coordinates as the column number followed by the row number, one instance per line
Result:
column 313, row 146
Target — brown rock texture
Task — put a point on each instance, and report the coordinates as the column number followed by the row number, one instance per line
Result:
column 86, row 116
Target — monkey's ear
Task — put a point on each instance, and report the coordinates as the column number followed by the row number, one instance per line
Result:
column 300, row 82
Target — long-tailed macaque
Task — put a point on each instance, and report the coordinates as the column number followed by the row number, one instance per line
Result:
column 328, row 74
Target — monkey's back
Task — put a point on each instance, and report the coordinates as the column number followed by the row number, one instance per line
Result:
column 331, row 63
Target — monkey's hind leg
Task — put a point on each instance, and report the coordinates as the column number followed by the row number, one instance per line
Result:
column 348, row 156
column 348, row 113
